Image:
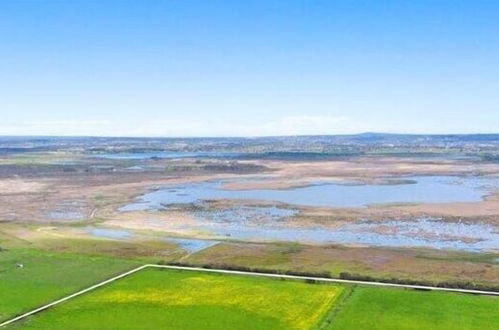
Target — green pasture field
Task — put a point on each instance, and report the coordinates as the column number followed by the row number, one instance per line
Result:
column 171, row 299
column 46, row 276
column 388, row 308
column 160, row 298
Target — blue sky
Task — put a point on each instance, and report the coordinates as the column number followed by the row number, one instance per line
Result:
column 248, row 68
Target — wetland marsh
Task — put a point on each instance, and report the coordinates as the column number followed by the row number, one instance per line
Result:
column 270, row 222
column 412, row 217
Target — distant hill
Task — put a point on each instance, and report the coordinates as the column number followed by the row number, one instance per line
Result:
column 335, row 144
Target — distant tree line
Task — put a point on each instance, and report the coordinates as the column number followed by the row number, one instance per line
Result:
column 468, row 285
column 223, row 266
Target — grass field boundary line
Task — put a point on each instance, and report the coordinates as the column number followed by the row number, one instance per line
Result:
column 238, row 272
column 71, row 296
column 337, row 307
column 331, row 280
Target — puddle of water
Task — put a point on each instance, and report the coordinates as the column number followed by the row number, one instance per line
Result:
column 424, row 189
column 135, row 168
column 192, row 245
column 68, row 210
column 66, row 215
column 138, row 206
column 110, row 233
column 188, row 244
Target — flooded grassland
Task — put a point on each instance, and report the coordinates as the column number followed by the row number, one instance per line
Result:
column 274, row 221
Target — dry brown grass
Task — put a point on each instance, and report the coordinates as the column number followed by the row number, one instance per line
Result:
column 423, row 265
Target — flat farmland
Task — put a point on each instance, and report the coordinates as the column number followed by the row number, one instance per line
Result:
column 171, row 299
column 388, row 308
column 178, row 299
column 30, row 278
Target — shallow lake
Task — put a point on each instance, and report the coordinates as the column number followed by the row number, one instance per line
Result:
column 422, row 189
column 119, row 234
column 268, row 223
column 192, row 245
column 423, row 233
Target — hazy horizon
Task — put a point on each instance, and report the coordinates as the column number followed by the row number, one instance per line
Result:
column 240, row 137
column 259, row 68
